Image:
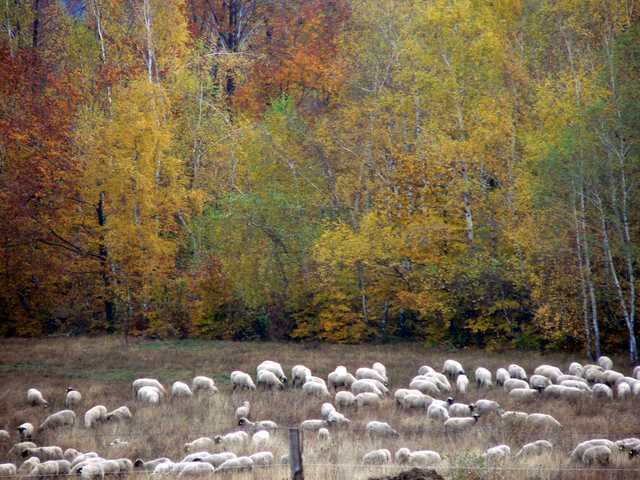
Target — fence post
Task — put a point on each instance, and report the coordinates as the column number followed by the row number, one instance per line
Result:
column 295, row 454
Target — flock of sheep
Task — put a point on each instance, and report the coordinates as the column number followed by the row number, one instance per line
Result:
column 430, row 394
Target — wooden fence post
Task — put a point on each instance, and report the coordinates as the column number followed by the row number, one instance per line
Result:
column 295, row 454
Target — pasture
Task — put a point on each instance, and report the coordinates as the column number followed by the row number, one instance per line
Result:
column 102, row 369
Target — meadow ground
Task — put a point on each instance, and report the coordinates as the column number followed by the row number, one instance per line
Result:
column 102, row 368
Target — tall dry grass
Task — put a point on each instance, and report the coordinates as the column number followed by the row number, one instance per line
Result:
column 103, row 367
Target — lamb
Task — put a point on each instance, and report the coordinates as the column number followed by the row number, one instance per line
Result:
column 203, row 384
column 315, row 389
column 460, row 409
column 462, row 382
column 150, row 465
column 180, row 390
column 483, row 377
column 149, row 395
column 437, row 412
column 377, row 457
column 601, row 390
column 323, row 435
column 299, row 375
column 34, row 398
column 273, row 367
column 242, row 380
column 514, row 383
column 340, row 379
column 120, row 414
column 542, row 421
column 147, row 382
column 8, row 469
column 539, row 382
column 460, row 424
column 196, row 469
column 420, row 458
column 260, row 439
column 200, row 444
column 523, row 395
column 535, row 449
column 452, row 369
column 605, row 362
column 345, row 399
column 62, row 418
column 497, row 453
column 313, row 425
column 262, row 459
column 377, row 429
column 516, row 371
column 484, row 406
column 599, row 454
column 269, row 380
column 25, row 431
column 232, row 439
column 95, row 415
column 243, row 410
column 43, row 453
column 73, row 398
column 502, row 375
column 236, row 464
column 260, row 425
column 367, row 399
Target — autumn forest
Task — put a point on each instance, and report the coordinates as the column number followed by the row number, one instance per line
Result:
column 458, row 172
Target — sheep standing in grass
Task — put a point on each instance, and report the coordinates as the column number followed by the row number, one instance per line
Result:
column 147, row 382
column 27, row 465
column 516, row 371
column 236, row 464
column 345, row 399
column 202, row 384
column 597, row 455
column 95, row 415
column 200, row 444
column 260, row 439
column 367, row 399
column 269, row 380
column 244, row 410
column 120, row 414
column 299, row 375
column 273, row 367
column 340, row 378
column 460, row 424
column 539, row 382
column 34, row 398
column 452, row 368
column 524, row 395
column 601, row 390
column 502, row 375
column 381, row 369
column 549, row 371
column 25, row 431
column 73, row 398
column 196, row 469
column 623, row 390
column 497, row 454
column 542, row 421
column 242, row 380
column 437, row 412
column 483, row 377
column 578, row 451
column 484, row 406
column 313, row 425
column 259, row 425
column 377, row 457
column 535, row 449
column 462, row 382
column 43, row 453
column 316, row 389
column 232, row 439
column 180, row 390
column 512, row 383
column 149, row 395
column 377, row 429
column 605, row 362
column 8, row 469
column 420, row 458
column 63, row 418
column 370, row 374
column 460, row 409
column 262, row 459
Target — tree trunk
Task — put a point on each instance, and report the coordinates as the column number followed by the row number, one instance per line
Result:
column 109, row 306
column 583, row 288
column 363, row 293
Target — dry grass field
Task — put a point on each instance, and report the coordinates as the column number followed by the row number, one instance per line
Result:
column 102, row 368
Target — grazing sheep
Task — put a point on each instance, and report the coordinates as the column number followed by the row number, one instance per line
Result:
column 43, row 453
column 377, row 429
column 120, row 414
column 364, row 386
column 83, row 457
column 28, row 465
column 315, row 389
column 601, row 390
column 497, row 453
column 25, row 431
column 460, row 409
column 462, row 382
column 180, row 390
column 514, row 383
column 597, row 455
column 326, row 409
column 484, row 406
column 17, row 448
column 366, row 399
column 149, row 395
column 215, row 459
column 337, row 418
column 425, row 385
column 232, row 439
column 73, row 398
column 416, row 400
column 269, row 380
column 523, row 395
column 420, row 458
column 441, row 380
column 377, row 457
column 460, row 424
column 437, row 412
column 539, row 382
column 452, row 369
column 260, row 439
column 313, row 425
column 259, row 425
column 535, row 449
column 542, row 421
column 483, row 377
column 400, row 393
column 323, row 435
column 549, row 371
column 34, row 398
column 370, row 374
column 243, row 410
column 242, row 380
column 636, row 372
column 95, row 415
column 196, row 469
column 340, row 379
column 611, row 377
column 299, row 375
column 63, row 418
column 262, row 459
column 605, row 362
column 50, row 468
column 576, row 453
column 236, row 464
column 516, row 371
column 199, row 444
column 593, row 374
column 273, row 367
column 576, row 369
column 380, row 368
column 502, row 375
column 203, row 384
column 564, row 392
column 150, row 465
column 345, row 399
column 623, row 390
column 8, row 469
column 147, row 382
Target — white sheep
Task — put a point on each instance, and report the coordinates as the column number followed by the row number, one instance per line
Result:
column 50, row 468
column 63, row 418
column 514, row 383
column 261, row 438
column 577, row 452
column 262, row 459
column 345, row 399
column 43, row 453
column 203, row 384
column 83, row 457
column 34, row 397
column 147, row 382
column 623, row 390
column 497, row 453
column 599, row 454
column 17, row 448
column 73, row 398
column 539, row 382
column 452, row 368
column 367, row 399
column 25, row 431
column 215, row 459
column 371, row 374
column 150, row 465
column 524, row 395
column 315, row 389
column 243, row 410
column 259, row 425
column 483, row 377
column 120, row 414
column 460, row 409
column 299, row 375
column 326, row 409
column 460, row 424
column 400, row 393
column 236, row 464
column 313, row 425
column 484, row 406
column 535, row 449
column 337, row 418
column 601, row 390
column 576, row 369
column 232, row 439
column 273, row 367
column 549, row 371
column 611, row 377
column 200, row 444
column 425, row 385
column 462, row 382
column 605, row 362
column 502, row 375
column 196, row 469
column 377, row 457
column 27, row 465
column 149, row 395
column 242, row 380
column 8, row 469
column 381, row 369
column 440, row 379
column 437, row 412
column 564, row 392
column 416, row 400
column 269, row 380
column 636, row 372
column 365, row 386
column 377, row 429
column 323, row 435
column 95, row 415
column 516, row 371
column 4, row 437
column 542, row 421
column 593, row 373
column 420, row 458
column 180, row 390
column 340, row 379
